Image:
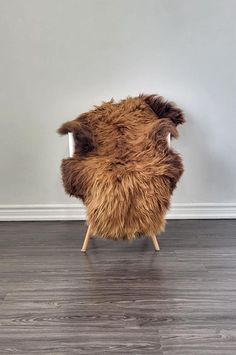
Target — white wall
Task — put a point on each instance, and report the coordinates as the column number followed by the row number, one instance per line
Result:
column 59, row 57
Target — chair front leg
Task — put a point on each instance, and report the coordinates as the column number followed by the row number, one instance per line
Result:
column 155, row 243
column 86, row 240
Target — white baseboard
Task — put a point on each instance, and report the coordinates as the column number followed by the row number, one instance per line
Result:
column 47, row 212
column 77, row 211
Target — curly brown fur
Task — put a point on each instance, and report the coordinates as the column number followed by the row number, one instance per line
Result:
column 122, row 167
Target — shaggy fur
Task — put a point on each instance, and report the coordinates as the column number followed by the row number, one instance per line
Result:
column 122, row 168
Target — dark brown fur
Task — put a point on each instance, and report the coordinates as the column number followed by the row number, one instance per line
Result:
column 122, row 167
column 165, row 109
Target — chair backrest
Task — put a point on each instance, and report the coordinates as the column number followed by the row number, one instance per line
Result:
column 71, row 143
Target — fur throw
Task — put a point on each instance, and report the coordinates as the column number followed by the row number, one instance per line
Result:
column 122, row 167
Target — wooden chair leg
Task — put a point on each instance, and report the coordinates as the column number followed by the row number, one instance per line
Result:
column 155, row 243
column 86, row 240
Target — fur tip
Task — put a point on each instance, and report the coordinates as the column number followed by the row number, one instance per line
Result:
column 165, row 109
column 70, row 126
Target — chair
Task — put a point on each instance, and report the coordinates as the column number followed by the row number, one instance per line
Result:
column 122, row 166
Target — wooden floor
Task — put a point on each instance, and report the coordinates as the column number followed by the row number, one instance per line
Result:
column 120, row 298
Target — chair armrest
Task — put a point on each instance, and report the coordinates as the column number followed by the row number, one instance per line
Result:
column 168, row 139
column 71, row 144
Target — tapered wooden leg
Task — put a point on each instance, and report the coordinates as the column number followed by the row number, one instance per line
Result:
column 86, row 240
column 155, row 243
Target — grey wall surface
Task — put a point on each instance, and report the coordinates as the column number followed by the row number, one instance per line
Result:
column 59, row 57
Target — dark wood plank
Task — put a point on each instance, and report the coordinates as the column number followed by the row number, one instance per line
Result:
column 118, row 298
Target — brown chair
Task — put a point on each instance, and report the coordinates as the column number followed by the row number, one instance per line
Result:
column 122, row 166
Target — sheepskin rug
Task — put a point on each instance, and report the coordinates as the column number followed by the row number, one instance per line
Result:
column 122, row 167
